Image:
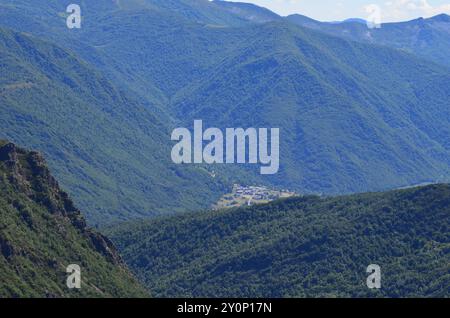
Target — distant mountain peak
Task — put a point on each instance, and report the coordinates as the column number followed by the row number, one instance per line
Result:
column 299, row 17
column 248, row 11
column 440, row 18
column 355, row 20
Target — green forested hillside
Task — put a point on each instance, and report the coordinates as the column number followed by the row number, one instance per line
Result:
column 41, row 233
column 337, row 103
column 109, row 149
column 136, row 43
column 299, row 247
column 100, row 103
column 352, row 117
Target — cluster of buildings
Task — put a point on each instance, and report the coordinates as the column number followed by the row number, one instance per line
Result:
column 250, row 195
column 254, row 192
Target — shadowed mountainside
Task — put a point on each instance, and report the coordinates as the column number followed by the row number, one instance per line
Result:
column 42, row 232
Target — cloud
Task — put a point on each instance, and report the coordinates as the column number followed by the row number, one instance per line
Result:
column 396, row 10
column 332, row 10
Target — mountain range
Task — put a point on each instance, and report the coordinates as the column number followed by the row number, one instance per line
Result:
column 306, row 246
column 426, row 38
column 353, row 116
column 359, row 110
column 106, row 146
column 350, row 115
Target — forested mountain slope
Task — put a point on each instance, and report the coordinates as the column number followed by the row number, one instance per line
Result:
column 352, row 117
column 108, row 148
column 299, row 247
column 42, row 233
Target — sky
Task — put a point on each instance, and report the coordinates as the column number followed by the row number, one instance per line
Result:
column 338, row 10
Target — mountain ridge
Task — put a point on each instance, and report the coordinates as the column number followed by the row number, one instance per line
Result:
column 307, row 246
column 106, row 146
column 42, row 233
column 358, row 110
column 248, row 11
column 427, row 38
column 307, row 79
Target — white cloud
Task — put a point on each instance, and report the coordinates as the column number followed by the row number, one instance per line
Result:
column 397, row 10
column 332, row 10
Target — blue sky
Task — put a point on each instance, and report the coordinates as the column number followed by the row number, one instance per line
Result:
column 332, row 10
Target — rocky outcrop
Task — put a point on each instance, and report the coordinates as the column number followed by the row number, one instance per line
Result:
column 28, row 173
column 103, row 245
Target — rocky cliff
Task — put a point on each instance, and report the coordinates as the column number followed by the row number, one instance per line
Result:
column 42, row 232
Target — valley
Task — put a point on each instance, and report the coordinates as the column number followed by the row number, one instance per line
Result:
column 106, row 193
column 346, row 125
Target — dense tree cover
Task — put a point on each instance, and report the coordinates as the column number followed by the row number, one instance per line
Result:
column 353, row 117
column 109, row 149
column 41, row 233
column 300, row 247
column 101, row 104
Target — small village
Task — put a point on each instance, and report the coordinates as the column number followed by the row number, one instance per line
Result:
column 250, row 195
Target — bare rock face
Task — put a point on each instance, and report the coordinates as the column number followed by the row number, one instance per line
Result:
column 103, row 245
column 27, row 171
column 9, row 157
